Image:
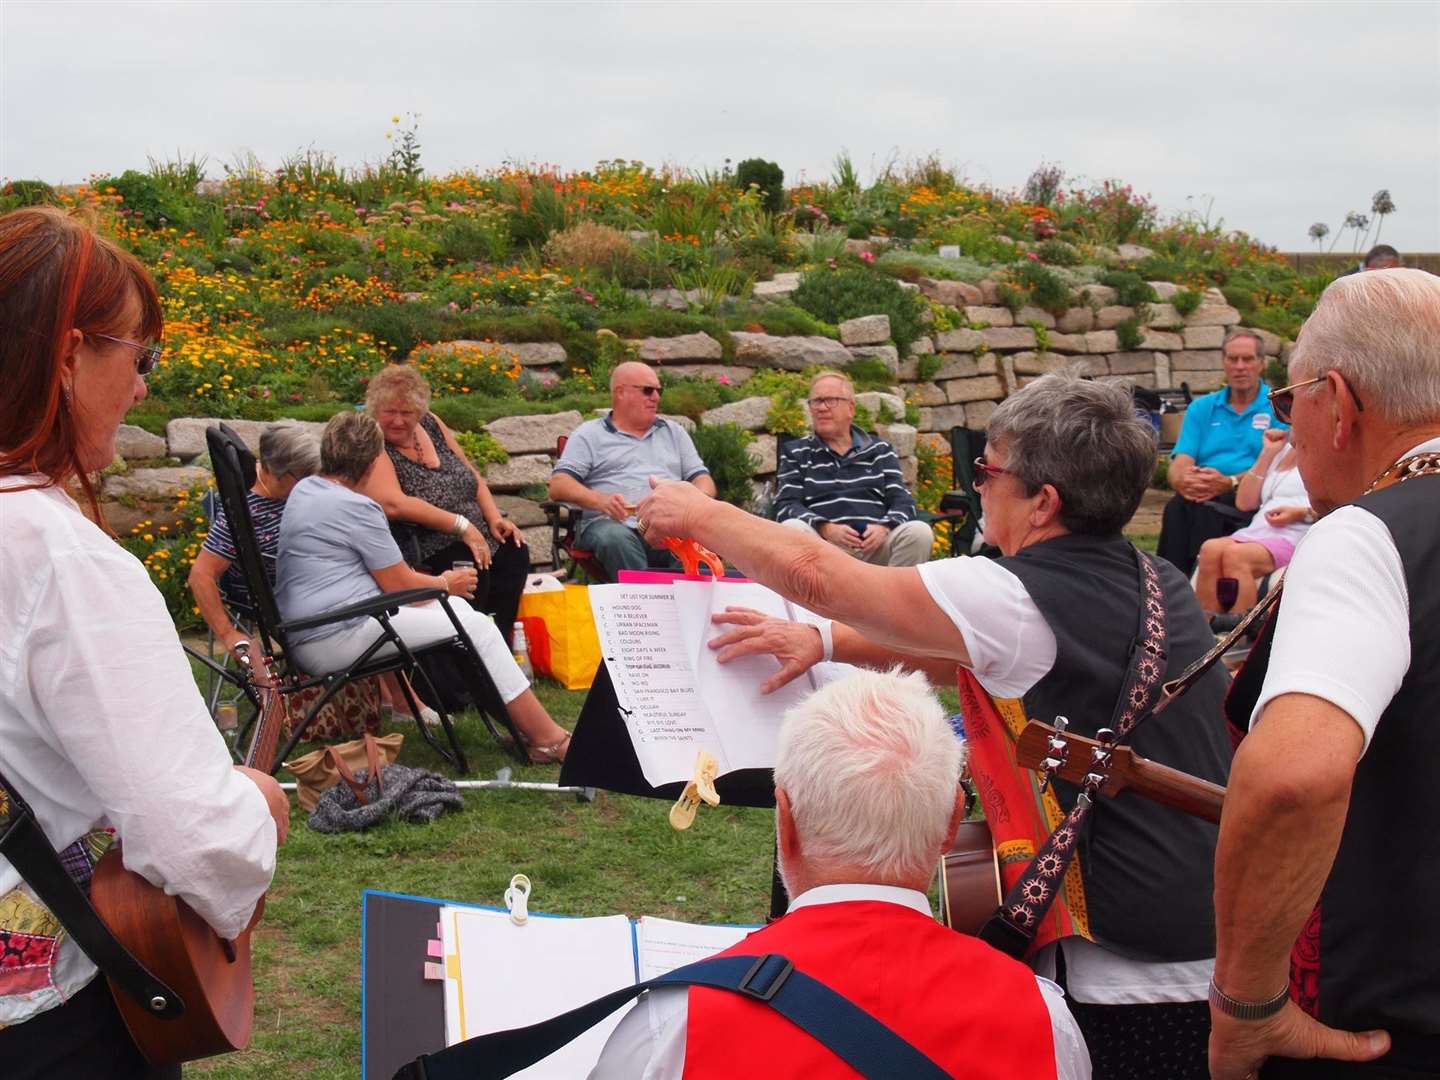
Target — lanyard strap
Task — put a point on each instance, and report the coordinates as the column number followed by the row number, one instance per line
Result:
column 867, row 1045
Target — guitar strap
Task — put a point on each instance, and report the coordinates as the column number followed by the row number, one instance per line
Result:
column 873, row 1049
column 1013, row 926
column 25, row 844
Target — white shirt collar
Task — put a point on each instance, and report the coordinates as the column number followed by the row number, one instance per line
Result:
column 1426, row 447
column 839, row 894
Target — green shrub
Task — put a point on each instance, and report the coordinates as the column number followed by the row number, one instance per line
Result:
column 154, row 202
column 1187, row 300
column 18, row 193
column 723, row 449
column 782, row 320
column 685, row 396
column 1128, row 334
column 471, row 239
column 787, row 414
column 864, row 418
column 481, row 448
column 870, row 373
column 913, row 265
column 765, row 175
column 1277, row 373
column 1058, row 253
column 768, row 382
column 837, row 295
column 1131, row 289
column 928, row 366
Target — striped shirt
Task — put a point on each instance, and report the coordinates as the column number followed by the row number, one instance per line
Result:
column 265, row 515
column 860, row 487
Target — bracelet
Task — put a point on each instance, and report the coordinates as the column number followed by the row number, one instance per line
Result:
column 827, row 640
column 1247, row 1010
column 461, row 524
column 1256, row 475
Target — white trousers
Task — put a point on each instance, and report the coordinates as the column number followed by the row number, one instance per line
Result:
column 420, row 625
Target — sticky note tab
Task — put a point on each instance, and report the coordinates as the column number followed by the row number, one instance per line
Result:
column 434, row 972
column 452, row 966
column 435, row 949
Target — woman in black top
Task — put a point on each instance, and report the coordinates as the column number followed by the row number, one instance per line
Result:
column 439, row 505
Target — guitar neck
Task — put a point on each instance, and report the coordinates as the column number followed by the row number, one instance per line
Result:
column 261, row 753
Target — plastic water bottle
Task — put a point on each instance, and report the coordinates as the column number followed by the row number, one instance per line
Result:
column 521, row 649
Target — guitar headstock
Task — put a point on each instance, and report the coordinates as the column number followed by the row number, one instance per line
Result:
column 1054, row 750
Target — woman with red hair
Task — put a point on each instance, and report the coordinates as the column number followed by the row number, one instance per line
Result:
column 102, row 730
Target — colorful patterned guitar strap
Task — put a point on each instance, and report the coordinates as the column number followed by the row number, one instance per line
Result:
column 1013, row 926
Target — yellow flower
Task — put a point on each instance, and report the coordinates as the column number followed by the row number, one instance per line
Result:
column 394, row 119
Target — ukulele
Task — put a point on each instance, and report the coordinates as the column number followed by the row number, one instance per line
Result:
column 970, row 884
column 211, row 975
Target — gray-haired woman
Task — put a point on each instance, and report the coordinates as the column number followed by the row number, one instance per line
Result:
column 1050, row 624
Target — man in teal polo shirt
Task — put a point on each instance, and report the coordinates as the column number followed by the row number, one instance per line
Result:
column 1219, row 440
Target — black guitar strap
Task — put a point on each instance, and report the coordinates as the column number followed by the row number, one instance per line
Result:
column 29, row 850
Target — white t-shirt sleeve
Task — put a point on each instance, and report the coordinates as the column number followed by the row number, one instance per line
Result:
column 1344, row 629
column 1072, row 1057
column 1011, row 646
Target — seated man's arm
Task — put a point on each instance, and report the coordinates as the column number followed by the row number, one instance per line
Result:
column 705, row 483
column 790, row 489
column 565, row 488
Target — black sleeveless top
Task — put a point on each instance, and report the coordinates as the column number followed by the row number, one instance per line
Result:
column 451, row 487
column 1148, row 870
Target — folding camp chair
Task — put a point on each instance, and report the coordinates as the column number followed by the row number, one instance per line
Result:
column 960, row 506
column 388, row 653
column 564, row 520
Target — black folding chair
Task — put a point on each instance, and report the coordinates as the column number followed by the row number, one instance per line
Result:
column 226, row 455
column 564, row 522
column 960, row 506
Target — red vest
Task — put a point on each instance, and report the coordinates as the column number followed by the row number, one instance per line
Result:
column 972, row 1010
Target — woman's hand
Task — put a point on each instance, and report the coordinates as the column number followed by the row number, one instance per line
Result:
column 1286, row 515
column 796, row 645
column 479, row 547
column 506, row 531
column 668, row 509
column 462, row 582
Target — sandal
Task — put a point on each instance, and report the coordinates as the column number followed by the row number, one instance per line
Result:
column 553, row 754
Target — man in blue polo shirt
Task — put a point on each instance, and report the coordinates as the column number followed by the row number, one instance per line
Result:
column 1219, row 440
column 607, row 464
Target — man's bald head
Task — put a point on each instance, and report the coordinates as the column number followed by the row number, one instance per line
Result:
column 634, row 397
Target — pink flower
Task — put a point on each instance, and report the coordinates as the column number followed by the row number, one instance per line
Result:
column 723, row 380
column 1032, row 255
column 867, row 256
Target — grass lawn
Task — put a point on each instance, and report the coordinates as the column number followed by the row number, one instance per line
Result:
column 617, row 854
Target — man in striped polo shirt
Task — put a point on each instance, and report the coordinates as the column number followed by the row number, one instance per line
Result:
column 846, row 485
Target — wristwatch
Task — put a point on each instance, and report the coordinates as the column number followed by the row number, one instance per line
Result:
column 1234, row 483
column 1247, row 1010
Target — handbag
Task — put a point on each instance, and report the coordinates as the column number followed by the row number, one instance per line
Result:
column 324, row 768
column 569, row 635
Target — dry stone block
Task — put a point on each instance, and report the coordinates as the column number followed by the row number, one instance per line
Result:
column 1213, row 315
column 1009, row 337
column 518, row 473
column 533, row 434
column 749, row 413
column 540, row 542
column 1203, row 337
column 522, row 512
column 1287, row 350
column 1200, row 382
column 989, row 291
column 1033, row 363
column 1270, row 343
column 981, row 388
column 909, row 472
column 1197, row 360
column 1164, row 290
column 958, row 366
column 995, row 316
column 922, row 346
column 1029, row 315
column 1107, row 318
column 777, row 288
column 1164, row 317
column 989, row 364
column 901, row 438
column 788, row 353
column 943, row 418
column 185, row 437
column 1213, row 295
column 956, row 294
column 978, row 413
column 1101, row 341
column 1098, row 294
column 1069, row 343
column 1132, row 363
column 763, row 454
column 928, row 394
column 663, row 350
column 133, row 443
column 1162, row 370
column 1076, row 320
column 886, row 354
column 713, row 372
column 1160, row 339
column 879, row 403
column 958, row 341
column 155, row 484
column 933, row 441
column 866, row 330
column 1133, row 252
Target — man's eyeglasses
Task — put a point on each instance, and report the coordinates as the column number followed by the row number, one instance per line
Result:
column 1283, row 400
column 827, row 402
column 985, row 471
column 147, row 355
column 648, row 391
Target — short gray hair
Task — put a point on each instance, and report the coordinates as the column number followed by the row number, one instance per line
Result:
column 1244, row 331
column 350, row 442
column 1381, row 331
column 831, row 373
column 871, row 767
column 287, row 448
column 1084, row 438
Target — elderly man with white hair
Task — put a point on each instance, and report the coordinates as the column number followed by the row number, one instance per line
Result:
column 1327, row 873
column 867, row 797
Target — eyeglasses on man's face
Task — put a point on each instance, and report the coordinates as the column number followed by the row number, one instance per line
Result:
column 828, row 402
column 1282, row 401
column 146, row 356
column 648, row 391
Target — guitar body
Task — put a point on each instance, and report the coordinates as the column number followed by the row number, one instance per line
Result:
column 211, row 976
column 969, row 879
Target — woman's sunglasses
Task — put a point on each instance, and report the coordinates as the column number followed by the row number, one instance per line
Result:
column 985, row 471
column 1282, row 401
column 147, row 356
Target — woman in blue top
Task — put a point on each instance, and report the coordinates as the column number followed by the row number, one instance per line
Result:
column 336, row 548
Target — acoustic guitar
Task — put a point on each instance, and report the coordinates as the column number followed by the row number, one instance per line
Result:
column 211, row 975
column 970, row 884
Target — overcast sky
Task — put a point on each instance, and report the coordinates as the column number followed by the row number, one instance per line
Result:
column 1270, row 116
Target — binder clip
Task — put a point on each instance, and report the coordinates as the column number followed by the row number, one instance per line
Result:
column 517, row 896
column 700, row 789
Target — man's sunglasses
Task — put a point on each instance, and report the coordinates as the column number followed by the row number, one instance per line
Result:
column 147, row 356
column 1282, row 401
column 648, row 391
column 985, row 471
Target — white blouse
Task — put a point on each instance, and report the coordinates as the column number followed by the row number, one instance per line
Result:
column 102, row 726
